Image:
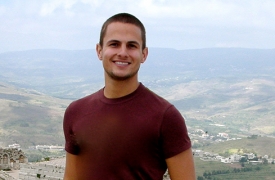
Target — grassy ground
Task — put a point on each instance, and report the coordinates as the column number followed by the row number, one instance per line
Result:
column 202, row 166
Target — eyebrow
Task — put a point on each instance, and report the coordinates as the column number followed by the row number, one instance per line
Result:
column 112, row 41
column 117, row 41
column 133, row 42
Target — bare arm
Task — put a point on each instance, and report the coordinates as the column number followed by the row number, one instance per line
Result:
column 181, row 166
column 70, row 168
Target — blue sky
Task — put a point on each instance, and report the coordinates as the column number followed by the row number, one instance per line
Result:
column 75, row 24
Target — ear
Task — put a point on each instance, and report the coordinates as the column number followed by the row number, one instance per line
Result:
column 145, row 54
column 99, row 51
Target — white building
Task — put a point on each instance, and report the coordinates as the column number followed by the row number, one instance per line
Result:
column 235, row 157
column 14, row 146
column 49, row 148
column 223, row 135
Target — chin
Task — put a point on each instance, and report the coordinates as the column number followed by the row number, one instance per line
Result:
column 121, row 77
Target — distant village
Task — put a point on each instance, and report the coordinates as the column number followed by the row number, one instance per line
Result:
column 250, row 158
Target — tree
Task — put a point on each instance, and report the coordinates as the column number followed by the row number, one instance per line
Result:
column 243, row 159
column 200, row 178
column 47, row 158
column 265, row 161
column 207, row 174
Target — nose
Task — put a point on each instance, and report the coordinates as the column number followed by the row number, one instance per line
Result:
column 123, row 53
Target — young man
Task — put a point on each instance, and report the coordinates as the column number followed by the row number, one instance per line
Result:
column 125, row 131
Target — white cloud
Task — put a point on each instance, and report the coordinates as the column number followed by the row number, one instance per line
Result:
column 180, row 24
column 48, row 8
column 228, row 13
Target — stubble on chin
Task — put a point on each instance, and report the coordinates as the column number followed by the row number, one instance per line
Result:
column 120, row 78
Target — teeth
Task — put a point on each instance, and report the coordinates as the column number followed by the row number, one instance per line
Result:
column 122, row 63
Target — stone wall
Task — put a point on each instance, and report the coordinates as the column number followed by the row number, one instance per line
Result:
column 10, row 158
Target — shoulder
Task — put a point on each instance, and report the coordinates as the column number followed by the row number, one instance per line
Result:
column 82, row 104
column 157, row 99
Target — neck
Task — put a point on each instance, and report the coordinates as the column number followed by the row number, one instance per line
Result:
column 117, row 89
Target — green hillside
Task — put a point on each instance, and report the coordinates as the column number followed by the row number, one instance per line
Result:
column 30, row 118
column 243, row 105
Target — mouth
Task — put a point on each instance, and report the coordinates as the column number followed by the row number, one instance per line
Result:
column 121, row 63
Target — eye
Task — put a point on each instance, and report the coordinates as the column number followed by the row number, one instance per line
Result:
column 132, row 46
column 113, row 44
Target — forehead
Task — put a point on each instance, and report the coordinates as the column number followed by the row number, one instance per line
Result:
column 122, row 32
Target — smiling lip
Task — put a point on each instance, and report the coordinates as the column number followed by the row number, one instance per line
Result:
column 121, row 63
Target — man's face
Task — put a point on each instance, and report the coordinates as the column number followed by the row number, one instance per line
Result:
column 121, row 52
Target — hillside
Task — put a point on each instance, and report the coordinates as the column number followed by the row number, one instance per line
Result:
column 29, row 117
column 245, row 105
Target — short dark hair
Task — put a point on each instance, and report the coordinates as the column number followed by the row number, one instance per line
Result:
column 123, row 18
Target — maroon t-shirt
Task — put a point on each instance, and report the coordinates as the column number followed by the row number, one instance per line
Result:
column 124, row 138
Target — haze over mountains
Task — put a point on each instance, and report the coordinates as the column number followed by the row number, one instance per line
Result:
column 229, row 86
column 49, row 70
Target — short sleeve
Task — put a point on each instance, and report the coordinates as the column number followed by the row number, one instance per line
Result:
column 70, row 141
column 174, row 135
